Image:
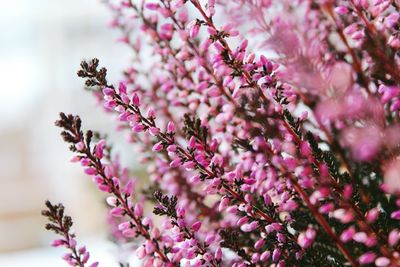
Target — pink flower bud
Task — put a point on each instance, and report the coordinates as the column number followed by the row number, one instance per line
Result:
column 223, row 204
column 90, row 171
column 395, row 215
column 394, row 237
column 259, row 244
column 129, row 232
column 358, row 35
column 276, row 254
column 249, row 227
column 180, row 212
column 140, row 252
column 57, row 243
column 154, row 131
column 129, row 187
column 104, row 188
column 210, row 238
column 195, row 179
column 158, row 146
column 242, row 221
column 192, row 142
column 303, row 241
column 367, row 258
column 193, row 29
column 157, row 262
column 112, row 201
column 352, row 28
column 99, row 149
column 122, row 88
column 108, row 91
column 124, row 225
column 382, row 262
column 155, row 232
column 135, row 100
column 166, row 31
column 189, row 165
column 214, row 91
column 152, row 6
column 341, row 10
column 360, row 237
column 347, row 191
column 138, row 127
column 80, row 146
column 196, row 226
column 265, row 255
column 171, row 148
column 117, row 212
column 218, row 254
column 348, row 234
column 175, row 163
column 372, row 215
column 170, row 127
column 86, row 257
column 138, row 210
column 326, row 208
column 110, row 104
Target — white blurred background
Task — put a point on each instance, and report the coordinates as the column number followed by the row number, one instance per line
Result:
column 41, row 45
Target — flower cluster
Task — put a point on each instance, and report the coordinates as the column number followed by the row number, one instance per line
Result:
column 286, row 155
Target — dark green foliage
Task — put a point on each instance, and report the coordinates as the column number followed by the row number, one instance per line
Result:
column 193, row 127
column 294, row 123
column 95, row 77
column 167, row 205
column 59, row 222
column 236, row 241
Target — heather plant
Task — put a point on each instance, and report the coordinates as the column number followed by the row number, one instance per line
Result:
column 269, row 130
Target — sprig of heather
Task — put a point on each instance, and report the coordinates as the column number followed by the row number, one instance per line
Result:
column 61, row 224
column 91, row 157
column 87, row 71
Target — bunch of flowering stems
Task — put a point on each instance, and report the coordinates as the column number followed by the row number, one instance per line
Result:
column 270, row 131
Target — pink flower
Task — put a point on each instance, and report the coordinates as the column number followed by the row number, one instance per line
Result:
column 90, row 171
column 193, row 29
column 391, row 176
column 166, row 31
column 152, row 6
column 158, row 146
column 394, row 237
column 170, row 127
column 196, row 226
column 259, row 244
column 135, row 100
column 140, row 252
column 223, row 204
column 108, row 91
column 176, row 162
column 382, row 262
column 249, row 227
column 58, row 242
column 138, row 210
column 367, row 258
column 348, row 234
column 138, row 127
column 341, row 10
column 117, row 212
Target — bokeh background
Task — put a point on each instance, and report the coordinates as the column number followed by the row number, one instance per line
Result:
column 41, row 45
